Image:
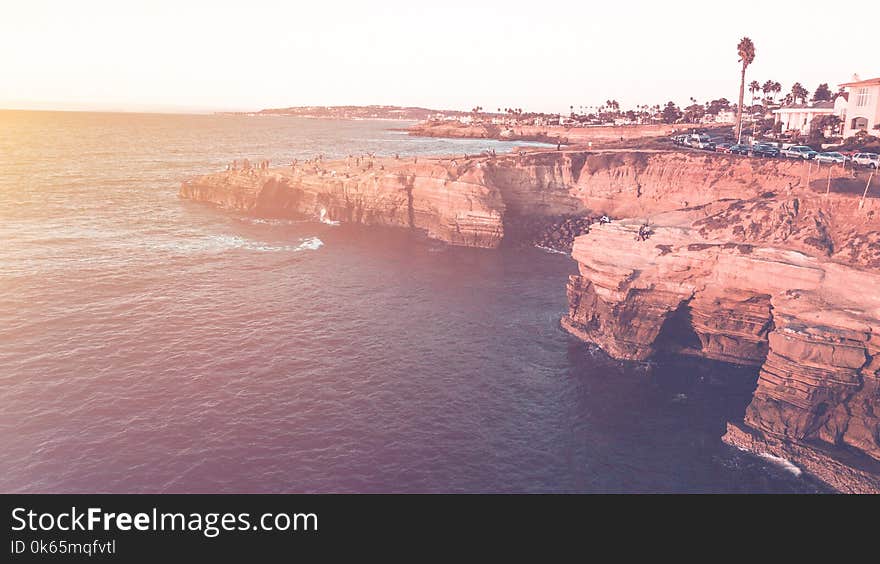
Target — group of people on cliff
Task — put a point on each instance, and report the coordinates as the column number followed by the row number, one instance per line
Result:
column 247, row 166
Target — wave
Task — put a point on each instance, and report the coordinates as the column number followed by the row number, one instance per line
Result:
column 310, row 244
column 326, row 220
column 782, row 463
column 220, row 243
column 273, row 222
column 550, row 250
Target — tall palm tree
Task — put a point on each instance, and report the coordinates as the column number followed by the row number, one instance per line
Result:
column 746, row 51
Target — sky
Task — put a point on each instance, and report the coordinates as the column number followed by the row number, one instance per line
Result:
column 194, row 55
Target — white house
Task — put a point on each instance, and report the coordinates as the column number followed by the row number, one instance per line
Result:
column 799, row 117
column 862, row 111
column 723, row 116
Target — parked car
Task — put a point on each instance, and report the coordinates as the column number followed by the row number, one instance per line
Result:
column 871, row 160
column 700, row 142
column 762, row 150
column 723, row 147
column 833, row 158
column 799, row 152
column 739, row 149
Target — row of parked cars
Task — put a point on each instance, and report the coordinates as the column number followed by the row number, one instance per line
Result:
column 767, row 150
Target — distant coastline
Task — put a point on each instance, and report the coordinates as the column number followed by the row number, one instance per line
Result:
column 388, row 113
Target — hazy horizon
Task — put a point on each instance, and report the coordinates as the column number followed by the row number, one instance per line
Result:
column 202, row 57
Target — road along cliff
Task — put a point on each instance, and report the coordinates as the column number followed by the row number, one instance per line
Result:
column 764, row 263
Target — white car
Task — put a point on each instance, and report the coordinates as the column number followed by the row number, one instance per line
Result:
column 799, row 152
column 871, row 160
column 700, row 142
column 833, row 158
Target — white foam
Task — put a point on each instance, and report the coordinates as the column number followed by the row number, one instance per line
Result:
column 220, row 243
column 549, row 250
column 326, row 220
column 310, row 244
column 782, row 463
column 273, row 222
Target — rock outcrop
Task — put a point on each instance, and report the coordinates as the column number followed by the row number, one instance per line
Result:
column 543, row 133
column 756, row 282
column 745, row 261
column 449, row 203
column 467, row 201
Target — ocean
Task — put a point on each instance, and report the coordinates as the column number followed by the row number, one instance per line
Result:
column 151, row 344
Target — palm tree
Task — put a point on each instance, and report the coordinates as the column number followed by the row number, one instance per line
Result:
column 777, row 88
column 746, row 50
column 754, row 88
column 798, row 92
column 767, row 88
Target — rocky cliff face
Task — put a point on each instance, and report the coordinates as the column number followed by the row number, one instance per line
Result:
column 755, row 282
column 466, row 201
column 544, row 133
column 449, row 203
column 746, row 261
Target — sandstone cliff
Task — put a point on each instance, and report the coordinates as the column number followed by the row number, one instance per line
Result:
column 544, row 133
column 769, row 281
column 447, row 202
column 466, row 201
column 748, row 261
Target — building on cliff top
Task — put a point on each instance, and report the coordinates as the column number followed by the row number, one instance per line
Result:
column 862, row 111
column 799, row 117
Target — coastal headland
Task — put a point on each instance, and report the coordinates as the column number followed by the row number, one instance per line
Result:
column 542, row 133
column 764, row 263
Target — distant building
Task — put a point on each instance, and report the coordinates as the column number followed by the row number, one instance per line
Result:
column 723, row 116
column 862, row 111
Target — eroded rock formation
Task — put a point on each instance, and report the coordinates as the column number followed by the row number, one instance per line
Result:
column 756, row 282
column 746, row 261
column 447, row 202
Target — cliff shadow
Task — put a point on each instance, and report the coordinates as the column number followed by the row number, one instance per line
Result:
column 659, row 425
column 681, row 363
column 677, row 333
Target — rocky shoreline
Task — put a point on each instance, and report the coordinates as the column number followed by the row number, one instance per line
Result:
column 551, row 134
column 736, row 260
column 556, row 234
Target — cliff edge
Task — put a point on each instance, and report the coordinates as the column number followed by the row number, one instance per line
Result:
column 786, row 283
column 766, row 263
